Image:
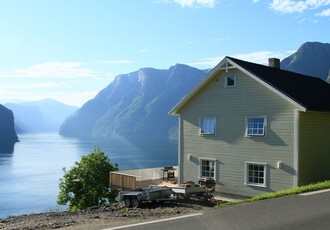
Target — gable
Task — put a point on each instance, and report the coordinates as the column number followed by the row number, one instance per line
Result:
column 303, row 92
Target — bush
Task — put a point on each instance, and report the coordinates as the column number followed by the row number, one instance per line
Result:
column 86, row 184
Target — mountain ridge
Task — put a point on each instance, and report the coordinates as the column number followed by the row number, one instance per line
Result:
column 311, row 58
column 39, row 116
column 136, row 105
column 8, row 136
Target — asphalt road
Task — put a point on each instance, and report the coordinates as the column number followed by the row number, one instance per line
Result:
column 291, row 212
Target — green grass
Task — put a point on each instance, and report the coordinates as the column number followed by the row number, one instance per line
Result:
column 57, row 209
column 292, row 191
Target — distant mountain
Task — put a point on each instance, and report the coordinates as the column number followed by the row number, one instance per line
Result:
column 40, row 116
column 312, row 58
column 8, row 136
column 135, row 105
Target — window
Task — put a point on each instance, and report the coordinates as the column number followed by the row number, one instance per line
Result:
column 207, row 168
column 255, row 126
column 207, row 125
column 256, row 174
column 230, row 81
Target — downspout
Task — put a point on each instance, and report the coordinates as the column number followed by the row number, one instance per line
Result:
column 296, row 149
column 180, row 152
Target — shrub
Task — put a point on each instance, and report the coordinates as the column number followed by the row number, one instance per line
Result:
column 86, row 184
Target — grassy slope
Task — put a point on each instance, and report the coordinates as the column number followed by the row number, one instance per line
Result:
column 298, row 190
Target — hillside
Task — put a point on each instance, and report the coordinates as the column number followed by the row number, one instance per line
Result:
column 312, row 58
column 135, row 105
column 8, row 135
column 40, row 116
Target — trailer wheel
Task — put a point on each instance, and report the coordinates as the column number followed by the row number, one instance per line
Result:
column 135, row 203
column 127, row 201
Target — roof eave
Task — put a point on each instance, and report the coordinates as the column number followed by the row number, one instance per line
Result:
column 194, row 91
column 299, row 106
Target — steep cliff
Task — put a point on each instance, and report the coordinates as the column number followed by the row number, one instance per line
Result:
column 135, row 105
column 312, row 58
column 8, row 136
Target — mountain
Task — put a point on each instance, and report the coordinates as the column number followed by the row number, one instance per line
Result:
column 8, row 135
column 40, row 116
column 135, row 105
column 312, row 58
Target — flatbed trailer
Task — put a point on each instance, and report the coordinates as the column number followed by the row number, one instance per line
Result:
column 134, row 198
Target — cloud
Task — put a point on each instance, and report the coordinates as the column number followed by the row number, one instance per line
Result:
column 52, row 69
column 118, row 62
column 289, row 6
column 260, row 57
column 31, row 86
column 193, row 3
column 324, row 13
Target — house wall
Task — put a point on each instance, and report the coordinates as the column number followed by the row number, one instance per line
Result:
column 314, row 147
column 229, row 147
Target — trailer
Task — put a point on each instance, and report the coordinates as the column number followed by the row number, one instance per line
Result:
column 168, row 192
column 133, row 198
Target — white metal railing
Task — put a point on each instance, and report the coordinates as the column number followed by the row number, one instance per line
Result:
column 148, row 173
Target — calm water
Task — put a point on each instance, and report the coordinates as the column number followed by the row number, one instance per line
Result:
column 29, row 177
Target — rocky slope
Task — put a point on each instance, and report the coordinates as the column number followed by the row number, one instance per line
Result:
column 8, row 136
column 135, row 105
column 312, row 59
column 104, row 217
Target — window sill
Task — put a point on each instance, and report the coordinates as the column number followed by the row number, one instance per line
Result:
column 256, row 185
column 207, row 135
column 251, row 136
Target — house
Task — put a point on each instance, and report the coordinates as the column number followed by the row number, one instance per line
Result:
column 255, row 128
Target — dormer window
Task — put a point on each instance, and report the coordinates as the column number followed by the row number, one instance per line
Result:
column 230, row 81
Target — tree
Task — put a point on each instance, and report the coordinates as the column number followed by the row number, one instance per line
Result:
column 86, row 184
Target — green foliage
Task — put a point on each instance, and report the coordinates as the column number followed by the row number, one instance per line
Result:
column 292, row 191
column 86, row 184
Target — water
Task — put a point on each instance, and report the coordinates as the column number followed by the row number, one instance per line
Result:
column 29, row 177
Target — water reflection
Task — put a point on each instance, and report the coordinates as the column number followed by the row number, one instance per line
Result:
column 29, row 176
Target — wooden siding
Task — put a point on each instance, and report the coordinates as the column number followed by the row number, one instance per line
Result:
column 229, row 146
column 314, row 147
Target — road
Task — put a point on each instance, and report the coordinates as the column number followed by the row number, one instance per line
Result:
column 290, row 212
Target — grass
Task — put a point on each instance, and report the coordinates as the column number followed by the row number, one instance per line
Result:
column 57, row 209
column 292, row 191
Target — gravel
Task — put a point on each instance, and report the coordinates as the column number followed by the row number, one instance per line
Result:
column 104, row 216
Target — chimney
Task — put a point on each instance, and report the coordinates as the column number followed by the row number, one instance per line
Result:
column 274, row 62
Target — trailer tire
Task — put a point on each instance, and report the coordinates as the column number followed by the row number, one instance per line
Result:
column 135, row 203
column 127, row 201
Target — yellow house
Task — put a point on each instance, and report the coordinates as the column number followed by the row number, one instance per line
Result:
column 255, row 128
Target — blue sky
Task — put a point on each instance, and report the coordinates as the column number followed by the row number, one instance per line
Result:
column 70, row 50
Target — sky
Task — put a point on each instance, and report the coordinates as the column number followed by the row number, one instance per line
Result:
column 70, row 50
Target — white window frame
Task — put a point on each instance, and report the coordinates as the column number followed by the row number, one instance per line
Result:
column 200, row 168
column 226, row 81
column 257, row 128
column 201, row 122
column 265, row 174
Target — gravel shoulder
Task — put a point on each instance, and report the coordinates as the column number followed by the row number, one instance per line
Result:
column 104, row 217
